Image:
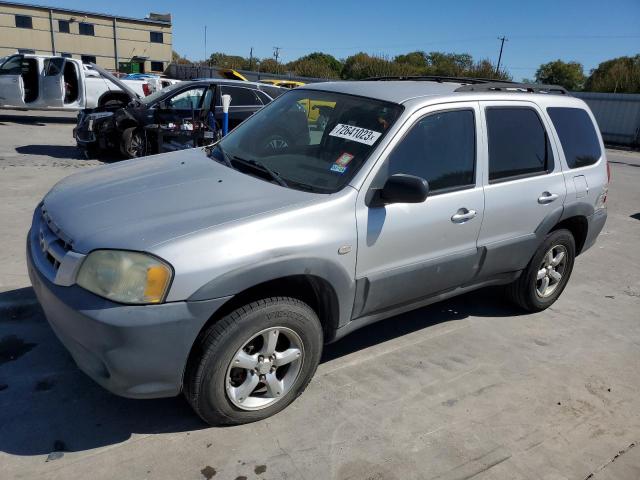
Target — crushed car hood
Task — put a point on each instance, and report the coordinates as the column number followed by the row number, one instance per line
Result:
column 140, row 203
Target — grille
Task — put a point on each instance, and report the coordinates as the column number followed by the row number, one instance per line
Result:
column 54, row 244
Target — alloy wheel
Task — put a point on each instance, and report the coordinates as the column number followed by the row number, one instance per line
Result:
column 264, row 369
column 551, row 270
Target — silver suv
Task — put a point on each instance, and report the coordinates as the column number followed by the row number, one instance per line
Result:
column 220, row 272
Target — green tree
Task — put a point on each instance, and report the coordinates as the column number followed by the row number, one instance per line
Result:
column 570, row 75
column 417, row 60
column 316, row 64
column 179, row 59
column 236, row 62
column 362, row 65
column 269, row 65
column 486, row 69
column 619, row 75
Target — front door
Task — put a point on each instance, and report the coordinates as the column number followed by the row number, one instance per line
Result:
column 11, row 82
column 53, row 87
column 407, row 252
column 524, row 186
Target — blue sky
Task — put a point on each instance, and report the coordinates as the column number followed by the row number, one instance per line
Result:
column 539, row 31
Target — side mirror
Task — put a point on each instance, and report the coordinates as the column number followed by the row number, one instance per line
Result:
column 401, row 188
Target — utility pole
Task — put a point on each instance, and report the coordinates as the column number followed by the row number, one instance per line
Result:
column 251, row 59
column 503, row 39
column 205, row 45
column 276, row 54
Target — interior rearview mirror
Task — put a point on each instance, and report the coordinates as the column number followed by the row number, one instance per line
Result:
column 400, row 188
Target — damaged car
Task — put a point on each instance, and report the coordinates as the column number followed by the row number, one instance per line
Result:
column 184, row 115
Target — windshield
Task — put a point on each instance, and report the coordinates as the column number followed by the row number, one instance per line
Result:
column 311, row 140
column 160, row 93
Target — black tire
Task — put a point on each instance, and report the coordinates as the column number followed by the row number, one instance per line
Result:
column 133, row 143
column 524, row 292
column 206, row 375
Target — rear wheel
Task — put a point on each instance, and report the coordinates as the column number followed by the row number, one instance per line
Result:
column 254, row 362
column 547, row 274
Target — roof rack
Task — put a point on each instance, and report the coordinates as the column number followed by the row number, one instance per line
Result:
column 439, row 79
column 513, row 88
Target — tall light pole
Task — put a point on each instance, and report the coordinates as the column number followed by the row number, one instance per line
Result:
column 503, row 39
column 205, row 45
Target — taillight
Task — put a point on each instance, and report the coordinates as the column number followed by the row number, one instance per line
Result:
column 147, row 90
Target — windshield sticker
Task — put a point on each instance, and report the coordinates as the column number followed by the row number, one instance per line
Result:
column 356, row 134
column 340, row 165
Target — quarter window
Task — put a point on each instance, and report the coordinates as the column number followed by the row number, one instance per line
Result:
column 441, row 148
column 518, row 143
column 24, row 21
column 63, row 26
column 86, row 29
column 240, row 96
column 577, row 135
column 156, row 37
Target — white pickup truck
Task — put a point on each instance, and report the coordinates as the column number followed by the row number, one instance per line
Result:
column 40, row 82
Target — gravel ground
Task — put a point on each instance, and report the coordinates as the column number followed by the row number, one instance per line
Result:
column 468, row 388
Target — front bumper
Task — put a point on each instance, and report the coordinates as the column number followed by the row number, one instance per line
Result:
column 136, row 351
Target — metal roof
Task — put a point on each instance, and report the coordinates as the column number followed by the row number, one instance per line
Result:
column 82, row 12
column 390, row 91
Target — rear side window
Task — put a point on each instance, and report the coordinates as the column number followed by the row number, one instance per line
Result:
column 240, row 96
column 577, row 135
column 441, row 148
column 518, row 143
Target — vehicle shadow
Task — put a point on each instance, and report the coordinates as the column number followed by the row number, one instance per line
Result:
column 47, row 405
column 37, row 120
column 66, row 152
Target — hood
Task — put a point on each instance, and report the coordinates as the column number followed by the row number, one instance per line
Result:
column 116, row 81
column 140, row 203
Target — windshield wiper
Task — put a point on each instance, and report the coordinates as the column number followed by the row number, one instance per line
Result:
column 262, row 167
column 225, row 156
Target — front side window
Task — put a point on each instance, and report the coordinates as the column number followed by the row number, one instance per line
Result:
column 518, row 143
column 86, row 29
column 240, row 96
column 577, row 135
column 187, row 100
column 24, row 21
column 286, row 139
column 63, row 26
column 12, row 66
column 441, row 148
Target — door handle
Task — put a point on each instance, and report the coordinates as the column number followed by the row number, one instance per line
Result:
column 463, row 215
column 547, row 197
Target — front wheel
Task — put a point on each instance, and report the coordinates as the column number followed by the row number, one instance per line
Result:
column 254, row 362
column 133, row 143
column 546, row 275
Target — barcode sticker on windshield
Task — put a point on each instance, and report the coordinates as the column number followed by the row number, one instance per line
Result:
column 356, row 134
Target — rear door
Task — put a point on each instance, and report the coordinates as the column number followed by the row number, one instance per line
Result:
column 53, row 88
column 524, row 184
column 11, row 83
column 244, row 102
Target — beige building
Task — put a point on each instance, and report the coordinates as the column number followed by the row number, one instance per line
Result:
column 116, row 43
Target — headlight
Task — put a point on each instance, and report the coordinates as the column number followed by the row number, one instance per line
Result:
column 125, row 277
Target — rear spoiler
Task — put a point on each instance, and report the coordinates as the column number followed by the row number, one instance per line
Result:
column 116, row 81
